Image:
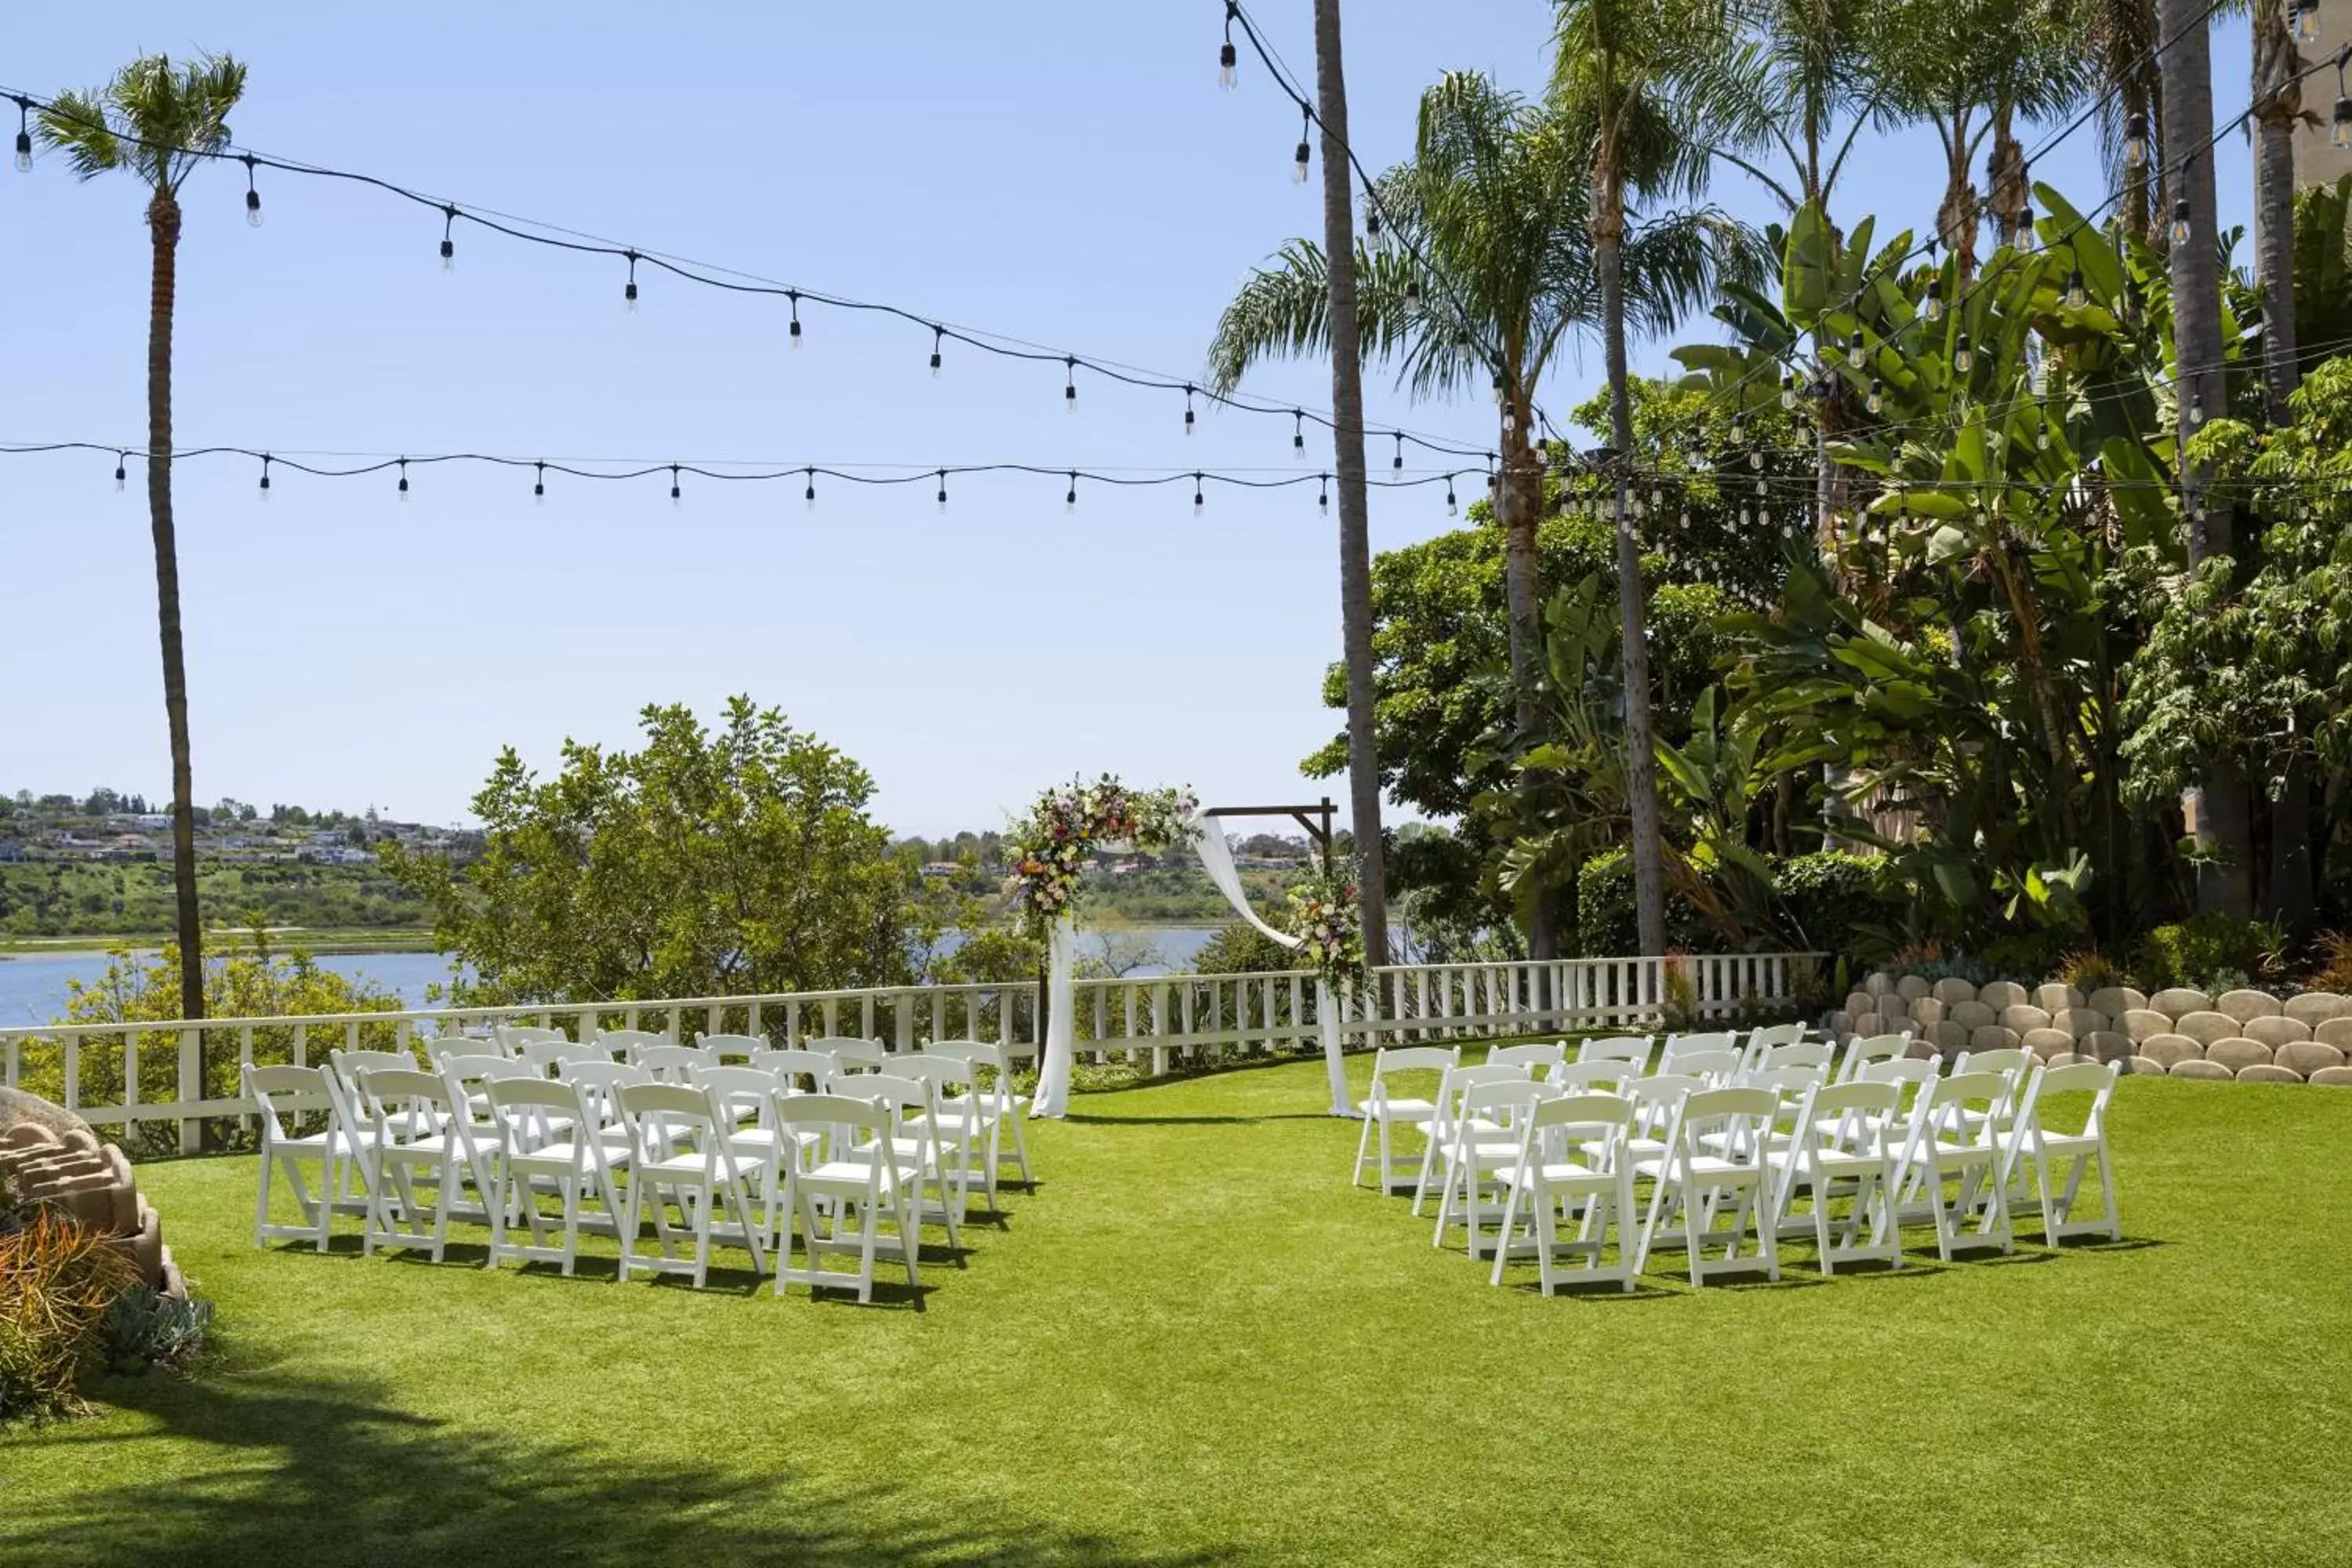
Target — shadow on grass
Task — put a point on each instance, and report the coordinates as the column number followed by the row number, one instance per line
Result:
column 324, row 1472
column 1201, row 1120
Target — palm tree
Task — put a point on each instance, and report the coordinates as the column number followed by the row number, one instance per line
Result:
column 158, row 121
column 1348, row 443
column 1783, row 89
column 2277, row 110
column 1618, row 68
column 2118, row 38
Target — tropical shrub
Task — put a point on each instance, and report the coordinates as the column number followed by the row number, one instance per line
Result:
column 58, row 1283
column 1832, row 901
column 1604, row 911
column 2204, row 949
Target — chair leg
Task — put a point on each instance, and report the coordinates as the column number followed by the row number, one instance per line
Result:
column 868, row 1218
column 261, row 1202
column 1363, row 1141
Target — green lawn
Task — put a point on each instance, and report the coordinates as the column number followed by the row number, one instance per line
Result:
column 1196, row 1344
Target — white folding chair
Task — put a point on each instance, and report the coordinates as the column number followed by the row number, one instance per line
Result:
column 1593, row 1188
column 1691, row 1177
column 1000, row 1108
column 937, row 1193
column 286, row 1096
column 1844, row 1148
column 1384, row 1110
column 574, row 1166
column 959, row 1130
column 440, row 1048
column 1633, row 1051
column 1715, row 1068
column 1655, row 1099
column 1592, row 1077
column 1861, row 1053
column 850, row 1052
column 853, row 1170
column 1818, row 1054
column 735, row 1048
column 1946, row 1143
column 1679, row 1047
column 744, row 1094
column 544, row 1054
column 418, row 1136
column 704, row 1179
column 1540, row 1055
column 1437, row 1131
column 2086, row 1150
column 514, row 1039
column 1484, row 1142
column 623, row 1045
column 669, row 1062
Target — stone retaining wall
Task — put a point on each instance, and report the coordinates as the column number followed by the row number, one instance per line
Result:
column 92, row 1182
column 2249, row 1036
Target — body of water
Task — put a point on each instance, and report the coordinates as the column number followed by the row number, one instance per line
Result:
column 34, row 988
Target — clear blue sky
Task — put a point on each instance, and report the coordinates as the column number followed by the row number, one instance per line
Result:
column 1062, row 172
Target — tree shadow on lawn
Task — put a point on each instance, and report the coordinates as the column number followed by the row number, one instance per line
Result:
column 725, row 1278
column 323, row 1472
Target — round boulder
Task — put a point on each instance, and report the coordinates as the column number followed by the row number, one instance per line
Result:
column 1971, row 1014
column 2056, row 997
column 2333, row 1078
column 1894, row 1010
column 2200, row 1068
column 2144, row 1065
column 1866, row 1024
column 1924, row 1050
column 1911, row 987
column 2316, row 1007
column 2276, row 1030
column 2048, row 1043
column 2336, row 1031
column 1927, row 1010
column 1839, row 1024
column 2244, row 1005
column 2170, row 1050
column 2115, row 1001
column 1878, row 983
column 2180, row 999
column 1993, row 1038
column 1949, row 1039
column 2080, row 1022
column 2307, row 1057
column 1860, row 1002
column 1950, row 990
column 2268, row 1072
column 2140, row 1023
column 2023, row 1015
column 1999, row 993
column 2207, row 1026
column 2238, row 1052
column 2105, row 1045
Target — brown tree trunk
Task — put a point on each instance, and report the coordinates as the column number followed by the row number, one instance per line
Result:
column 1641, row 744
column 2278, row 103
column 164, row 228
column 1519, row 512
column 2224, row 821
column 1956, row 215
column 1347, row 440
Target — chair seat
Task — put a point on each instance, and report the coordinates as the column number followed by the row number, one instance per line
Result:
column 2069, row 1147
column 691, row 1167
column 853, row 1174
column 1567, row 1173
column 1704, row 1169
column 1414, row 1111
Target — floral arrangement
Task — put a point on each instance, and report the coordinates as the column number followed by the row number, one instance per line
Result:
column 1058, row 840
column 1324, row 915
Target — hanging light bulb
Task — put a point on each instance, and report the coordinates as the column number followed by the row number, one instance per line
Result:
column 1933, row 308
column 539, row 483
column 1763, row 489
column 2196, row 409
column 675, row 496
column 1200, row 495
column 1738, row 432
column 403, row 491
column 1747, row 518
column 1452, row 508
column 252, row 196
column 2135, row 140
column 120, row 476
column 938, row 337
column 629, row 293
column 943, row 492
column 1376, row 239
column 1877, row 402
column 1856, row 350
column 1188, row 408
column 2023, row 234
column 2076, row 295
column 1070, row 384
column 24, row 136
column 1226, row 58
column 1299, row 159
column 1657, row 496
column 808, row 496
column 792, row 331
column 1070, row 501
column 264, row 475
column 1756, row 456
column 1323, row 501
column 1684, row 521
column 2180, row 223
column 1963, row 356
column 1299, row 435
column 2307, row 21
column 449, row 239
column 1789, row 392
column 1413, row 296
column 2339, row 133
column 1397, row 462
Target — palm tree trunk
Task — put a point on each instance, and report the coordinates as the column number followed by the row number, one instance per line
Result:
column 1347, row 439
column 1641, row 744
column 1519, row 508
column 164, row 226
column 2277, row 103
column 2225, row 817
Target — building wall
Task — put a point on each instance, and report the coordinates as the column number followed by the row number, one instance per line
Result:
column 2316, row 162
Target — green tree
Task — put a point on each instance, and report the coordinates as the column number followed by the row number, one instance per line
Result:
column 157, row 121
column 707, row 863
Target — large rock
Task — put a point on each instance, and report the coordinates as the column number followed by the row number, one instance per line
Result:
column 2307, row 1057
column 1950, row 990
column 1867, row 1026
column 18, row 1109
column 1878, row 983
column 1927, row 1012
column 2181, row 999
column 1970, row 1014
column 2140, row 1023
column 2056, row 997
column 2048, row 1043
column 2316, row 1007
column 52, row 1156
column 2268, row 1072
column 2080, row 1022
column 2105, row 1045
column 1993, row 1038
column 2202, row 1069
column 2146, row 1066
column 2023, row 1015
column 1949, row 1038
column 2333, row 1078
column 2115, row 1001
column 1912, row 987
column 2337, row 1032
column 1999, row 993
column 2276, row 1030
column 2237, row 1053
column 2244, row 1005
column 1860, row 1002
column 2170, row 1050
column 2205, row 1027
column 1893, row 1011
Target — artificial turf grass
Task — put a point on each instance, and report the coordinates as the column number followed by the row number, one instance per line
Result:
column 1195, row 1344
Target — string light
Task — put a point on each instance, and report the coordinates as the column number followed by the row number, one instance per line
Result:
column 1856, row 350
column 2023, row 234
column 1227, row 57
column 252, row 196
column 2196, row 410
column 1189, row 420
column 1963, row 357
column 2076, row 295
column 2307, row 21
column 1397, row 463
column 1200, row 497
column 1070, row 385
column 2181, row 220
column 2135, row 140
column 2339, row 133
column 1323, row 501
column 1788, row 391
column 120, row 475
column 1070, row 500
column 1297, row 435
column 938, row 337
column 1933, row 308
column 403, row 478
column 24, row 136
column 264, row 475
column 808, row 496
column 1413, row 296
column 448, row 241
column 1375, row 240
column 1305, row 130
column 539, row 483
column 1877, row 401
column 943, row 492
column 629, row 294
column 1452, row 508
column 792, row 297
column 676, row 495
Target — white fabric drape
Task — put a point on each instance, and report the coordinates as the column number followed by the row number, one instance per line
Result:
column 1053, row 1097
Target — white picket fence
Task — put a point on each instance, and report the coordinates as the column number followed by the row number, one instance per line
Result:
column 122, row 1076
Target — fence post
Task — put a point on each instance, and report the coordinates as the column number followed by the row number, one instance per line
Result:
column 192, row 1087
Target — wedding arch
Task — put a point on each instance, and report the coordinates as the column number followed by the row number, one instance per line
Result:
column 1058, row 840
